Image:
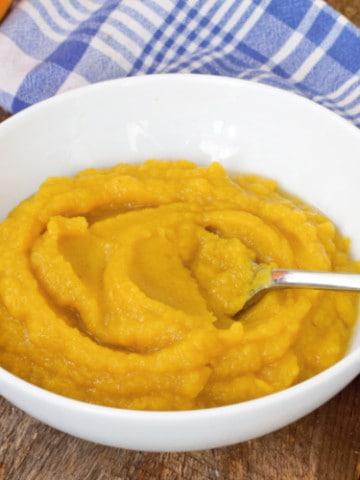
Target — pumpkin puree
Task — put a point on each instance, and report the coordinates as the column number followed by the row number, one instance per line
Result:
column 120, row 286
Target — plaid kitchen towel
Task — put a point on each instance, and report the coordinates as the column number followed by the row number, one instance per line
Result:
column 51, row 46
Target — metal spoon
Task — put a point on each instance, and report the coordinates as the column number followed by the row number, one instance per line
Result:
column 281, row 278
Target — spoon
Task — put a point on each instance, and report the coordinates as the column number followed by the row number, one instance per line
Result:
column 282, row 278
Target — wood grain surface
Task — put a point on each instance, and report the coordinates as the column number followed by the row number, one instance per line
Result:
column 324, row 445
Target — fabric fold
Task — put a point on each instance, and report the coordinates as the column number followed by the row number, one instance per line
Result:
column 50, row 47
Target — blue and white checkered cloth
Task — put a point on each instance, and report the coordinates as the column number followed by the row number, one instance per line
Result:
column 51, row 46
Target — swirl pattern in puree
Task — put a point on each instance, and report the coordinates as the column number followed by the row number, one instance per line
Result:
column 119, row 287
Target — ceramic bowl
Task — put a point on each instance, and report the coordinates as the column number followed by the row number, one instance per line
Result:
column 245, row 126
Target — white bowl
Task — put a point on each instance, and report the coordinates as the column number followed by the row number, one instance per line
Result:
column 246, row 126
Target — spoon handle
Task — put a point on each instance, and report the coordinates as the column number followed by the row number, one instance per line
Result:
column 317, row 280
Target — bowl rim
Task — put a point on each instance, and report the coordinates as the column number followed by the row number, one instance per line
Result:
column 174, row 77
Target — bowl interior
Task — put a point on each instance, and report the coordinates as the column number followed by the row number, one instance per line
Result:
column 246, row 126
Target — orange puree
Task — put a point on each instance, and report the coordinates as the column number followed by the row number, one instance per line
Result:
column 119, row 287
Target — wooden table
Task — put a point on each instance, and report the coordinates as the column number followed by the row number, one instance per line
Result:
column 324, row 445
